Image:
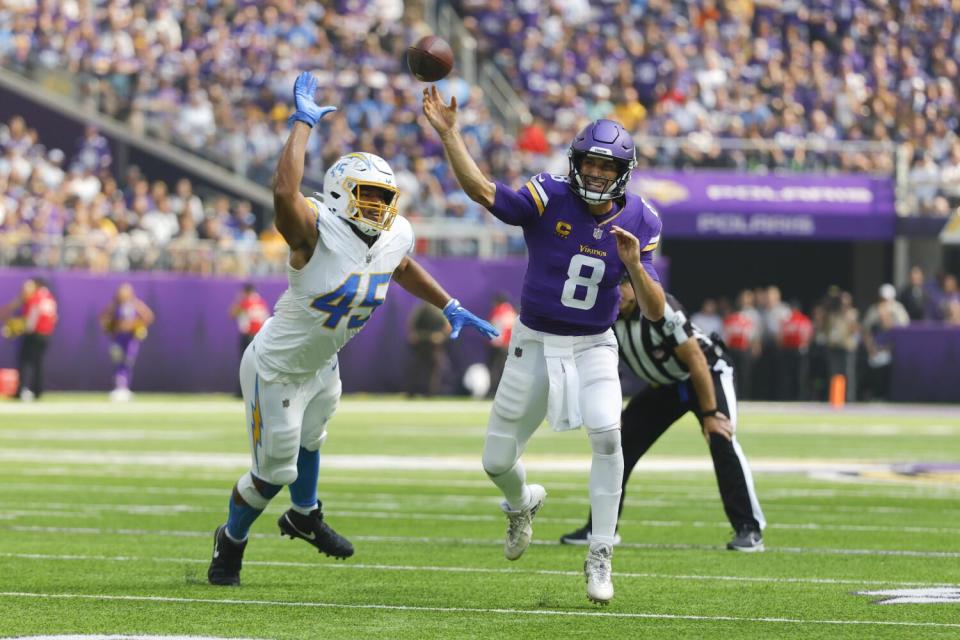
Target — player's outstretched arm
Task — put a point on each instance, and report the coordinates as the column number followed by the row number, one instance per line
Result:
column 416, row 281
column 689, row 354
column 443, row 118
column 295, row 218
column 649, row 293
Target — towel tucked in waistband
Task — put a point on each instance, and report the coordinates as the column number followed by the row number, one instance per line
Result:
column 563, row 401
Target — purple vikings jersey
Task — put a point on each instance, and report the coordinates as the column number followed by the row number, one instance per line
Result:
column 123, row 313
column 571, row 287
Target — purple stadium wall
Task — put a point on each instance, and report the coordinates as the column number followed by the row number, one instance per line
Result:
column 194, row 344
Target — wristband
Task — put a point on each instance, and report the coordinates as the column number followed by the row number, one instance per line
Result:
column 710, row 413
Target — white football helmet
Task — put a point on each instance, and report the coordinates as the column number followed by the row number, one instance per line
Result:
column 341, row 191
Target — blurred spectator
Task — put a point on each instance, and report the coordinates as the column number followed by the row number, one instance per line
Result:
column 428, row 334
column 741, row 333
column 914, row 296
column 502, row 316
column 882, row 316
column 841, row 335
column 126, row 320
column 34, row 324
column 93, row 151
column 708, row 319
column 947, row 296
column 250, row 311
column 773, row 313
column 796, row 333
column 953, row 314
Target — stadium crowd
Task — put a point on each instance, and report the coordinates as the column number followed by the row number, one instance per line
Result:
column 216, row 80
column 786, row 78
column 70, row 210
column 791, row 77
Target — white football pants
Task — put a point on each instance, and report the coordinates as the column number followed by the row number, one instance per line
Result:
column 282, row 417
column 521, row 405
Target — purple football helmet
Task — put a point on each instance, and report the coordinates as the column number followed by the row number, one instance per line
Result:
column 608, row 140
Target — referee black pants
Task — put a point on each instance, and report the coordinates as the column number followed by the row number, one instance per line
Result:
column 30, row 362
column 652, row 411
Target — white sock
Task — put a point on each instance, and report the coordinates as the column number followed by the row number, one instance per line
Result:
column 606, row 478
column 304, row 510
column 513, row 485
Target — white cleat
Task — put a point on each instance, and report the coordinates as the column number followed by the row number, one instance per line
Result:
column 121, row 395
column 519, row 530
column 597, row 570
column 26, row 395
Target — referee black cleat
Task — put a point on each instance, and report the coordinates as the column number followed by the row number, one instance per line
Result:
column 314, row 530
column 747, row 539
column 581, row 537
column 227, row 559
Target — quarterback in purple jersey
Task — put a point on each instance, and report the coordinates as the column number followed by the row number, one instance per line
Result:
column 582, row 231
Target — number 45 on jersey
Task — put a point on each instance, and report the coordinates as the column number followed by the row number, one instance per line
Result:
column 339, row 303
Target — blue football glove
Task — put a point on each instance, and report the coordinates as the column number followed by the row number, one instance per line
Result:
column 458, row 317
column 308, row 111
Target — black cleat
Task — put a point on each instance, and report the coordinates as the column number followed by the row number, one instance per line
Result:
column 747, row 539
column 314, row 530
column 227, row 559
column 582, row 536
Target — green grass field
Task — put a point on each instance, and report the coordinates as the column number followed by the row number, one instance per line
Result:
column 107, row 513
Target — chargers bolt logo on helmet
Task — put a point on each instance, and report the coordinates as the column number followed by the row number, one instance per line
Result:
column 349, row 184
column 608, row 140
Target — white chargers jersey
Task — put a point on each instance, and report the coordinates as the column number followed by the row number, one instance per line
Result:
column 330, row 298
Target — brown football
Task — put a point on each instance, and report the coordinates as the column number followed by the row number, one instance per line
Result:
column 430, row 59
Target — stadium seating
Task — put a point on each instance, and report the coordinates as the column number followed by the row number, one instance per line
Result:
column 749, row 85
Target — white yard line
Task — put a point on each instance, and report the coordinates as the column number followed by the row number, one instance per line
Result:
column 403, row 512
column 673, row 494
column 405, row 498
column 485, row 570
column 364, row 404
column 104, row 435
column 98, row 531
column 146, row 406
column 471, row 610
column 580, row 464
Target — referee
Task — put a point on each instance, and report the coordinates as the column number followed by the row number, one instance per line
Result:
column 686, row 371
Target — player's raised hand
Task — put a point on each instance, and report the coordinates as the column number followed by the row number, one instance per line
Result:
column 308, row 111
column 442, row 117
column 628, row 246
column 458, row 317
column 718, row 424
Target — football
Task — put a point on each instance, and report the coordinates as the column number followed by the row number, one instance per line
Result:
column 430, row 59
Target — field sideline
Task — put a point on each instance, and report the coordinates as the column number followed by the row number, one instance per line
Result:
column 108, row 512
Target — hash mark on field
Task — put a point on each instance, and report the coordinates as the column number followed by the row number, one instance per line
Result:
column 480, row 610
column 313, row 566
column 910, row 553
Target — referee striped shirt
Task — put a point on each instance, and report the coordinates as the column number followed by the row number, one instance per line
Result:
column 649, row 347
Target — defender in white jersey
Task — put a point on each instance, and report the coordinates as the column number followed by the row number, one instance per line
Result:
column 344, row 251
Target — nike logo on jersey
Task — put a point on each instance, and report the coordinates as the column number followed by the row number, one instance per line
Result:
column 311, row 536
